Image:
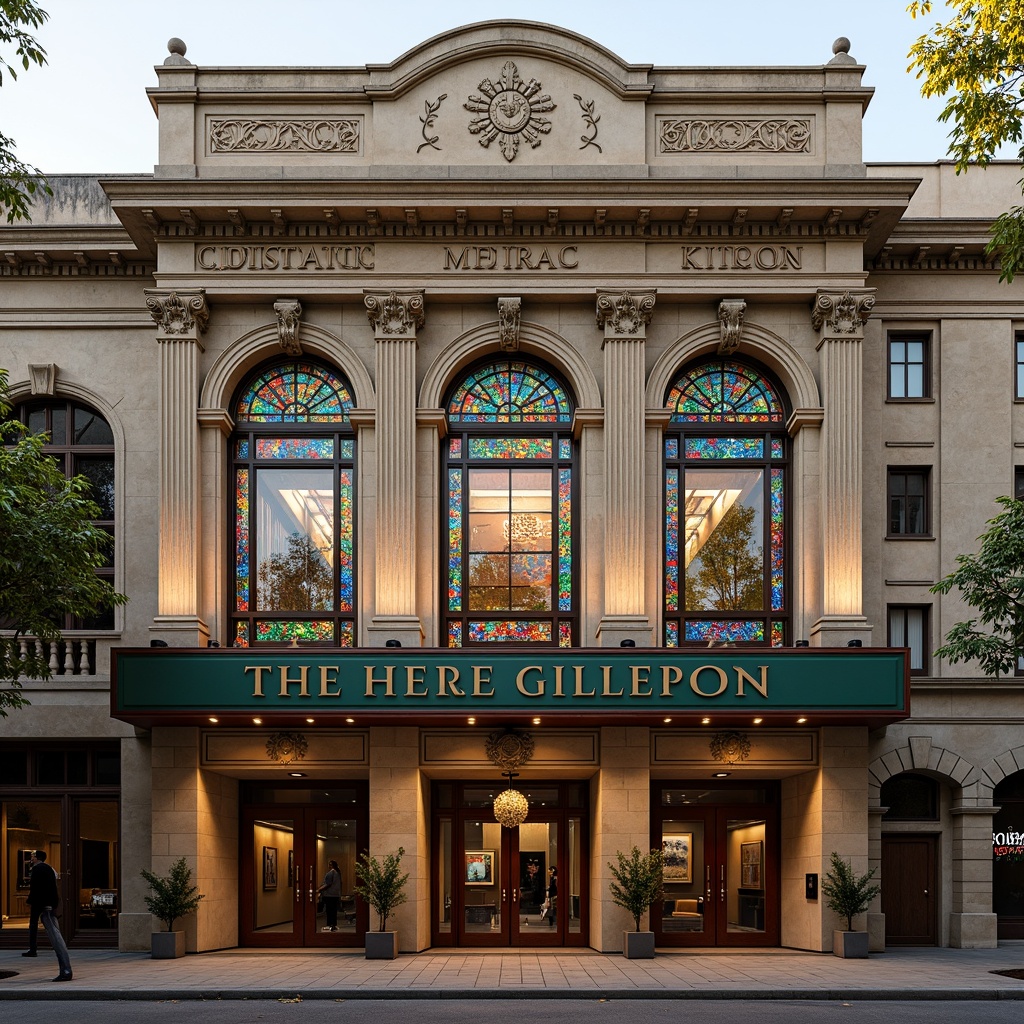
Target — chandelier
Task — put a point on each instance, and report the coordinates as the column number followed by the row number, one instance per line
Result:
column 510, row 806
column 523, row 528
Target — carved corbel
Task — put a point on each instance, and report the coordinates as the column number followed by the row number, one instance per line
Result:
column 179, row 314
column 508, row 323
column 625, row 314
column 42, row 378
column 730, row 319
column 845, row 313
column 289, row 314
column 394, row 314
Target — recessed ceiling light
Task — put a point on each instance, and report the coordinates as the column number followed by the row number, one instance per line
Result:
column 666, row 720
column 536, row 721
column 758, row 721
column 215, row 720
column 721, row 775
column 350, row 720
column 800, row 721
column 297, row 775
column 257, row 721
column 310, row 720
column 471, row 721
column 705, row 721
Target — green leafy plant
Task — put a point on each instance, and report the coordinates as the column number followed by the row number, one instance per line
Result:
column 638, row 881
column 845, row 893
column 381, row 884
column 174, row 896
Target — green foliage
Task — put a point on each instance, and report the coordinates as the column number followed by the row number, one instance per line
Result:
column 18, row 180
column 991, row 581
column 845, row 893
column 174, row 896
column 49, row 553
column 638, row 881
column 976, row 61
column 381, row 884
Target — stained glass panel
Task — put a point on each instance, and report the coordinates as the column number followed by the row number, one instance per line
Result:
column 777, row 542
column 672, row 539
column 510, row 447
column 510, row 392
column 565, row 540
column 565, row 634
column 279, row 631
column 346, row 575
column 454, row 634
column 295, row 448
column 455, row 447
column 242, row 449
column 778, row 633
column 724, row 631
column 724, row 392
column 778, row 448
column 565, row 448
column 297, row 392
column 671, row 447
column 242, row 540
column 510, row 630
column 725, row 448
column 671, row 634
column 455, row 540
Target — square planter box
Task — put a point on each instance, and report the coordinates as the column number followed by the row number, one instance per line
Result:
column 850, row 945
column 381, row 945
column 638, row 945
column 167, row 945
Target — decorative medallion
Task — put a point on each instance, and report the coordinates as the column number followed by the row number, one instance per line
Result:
column 509, row 749
column 285, row 747
column 509, row 112
column 729, row 747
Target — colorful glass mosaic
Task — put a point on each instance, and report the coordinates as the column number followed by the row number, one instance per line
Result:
column 725, row 448
column 778, row 448
column 294, row 448
column 510, row 447
column 282, row 631
column 454, row 634
column 565, row 448
column 510, row 630
column 298, row 392
column 455, row 447
column 242, row 540
column 778, row 633
column 671, row 447
column 565, row 634
column 346, row 634
column 778, row 552
column 672, row 539
column 455, row 540
column 565, row 540
column 241, row 634
column 671, row 634
column 510, row 391
column 242, row 449
column 724, row 392
column 346, row 574
column 723, row 631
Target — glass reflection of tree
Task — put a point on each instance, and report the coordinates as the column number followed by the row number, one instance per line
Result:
column 298, row 580
column 494, row 586
column 728, row 573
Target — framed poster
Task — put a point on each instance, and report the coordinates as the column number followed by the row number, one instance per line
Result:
column 269, row 868
column 24, row 867
column 479, row 867
column 677, row 850
column 751, row 855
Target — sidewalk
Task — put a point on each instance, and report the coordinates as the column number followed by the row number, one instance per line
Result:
column 471, row 974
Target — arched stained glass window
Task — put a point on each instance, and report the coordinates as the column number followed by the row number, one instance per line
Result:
column 293, row 468
column 509, row 469
column 726, row 461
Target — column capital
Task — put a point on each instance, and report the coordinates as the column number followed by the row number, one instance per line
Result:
column 508, row 323
column 842, row 314
column 289, row 316
column 394, row 315
column 625, row 314
column 178, row 315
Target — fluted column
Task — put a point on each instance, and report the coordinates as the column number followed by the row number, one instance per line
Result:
column 181, row 319
column 395, row 317
column 839, row 318
column 624, row 317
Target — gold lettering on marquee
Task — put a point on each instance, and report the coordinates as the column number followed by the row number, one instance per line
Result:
column 641, row 675
column 257, row 682
column 521, row 681
column 606, row 683
column 671, row 675
column 327, row 681
column 447, row 677
column 287, row 681
column 743, row 676
column 481, row 679
column 723, row 680
column 579, row 691
column 388, row 681
column 413, row 678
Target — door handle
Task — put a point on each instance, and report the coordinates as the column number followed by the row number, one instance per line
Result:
column 723, row 883
column 504, row 896
column 707, row 881
column 926, row 892
column 312, row 886
column 298, row 888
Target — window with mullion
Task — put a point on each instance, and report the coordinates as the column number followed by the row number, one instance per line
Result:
column 1018, row 345
column 908, row 366
column 908, row 502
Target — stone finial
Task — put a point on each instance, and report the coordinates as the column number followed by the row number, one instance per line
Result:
column 841, row 49
column 289, row 313
column 625, row 314
column 176, row 48
column 394, row 314
column 508, row 323
column 730, row 318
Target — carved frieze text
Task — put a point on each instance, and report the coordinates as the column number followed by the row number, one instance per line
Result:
column 734, row 135
column 285, row 135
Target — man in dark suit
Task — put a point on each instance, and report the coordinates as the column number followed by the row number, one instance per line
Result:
column 42, row 900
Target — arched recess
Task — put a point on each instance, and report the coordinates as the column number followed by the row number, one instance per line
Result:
column 246, row 352
column 534, row 340
column 1002, row 766
column 920, row 755
column 777, row 354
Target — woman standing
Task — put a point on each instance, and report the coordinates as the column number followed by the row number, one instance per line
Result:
column 552, row 896
column 330, row 892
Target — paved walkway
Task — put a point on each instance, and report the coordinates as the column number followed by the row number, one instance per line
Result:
column 439, row 974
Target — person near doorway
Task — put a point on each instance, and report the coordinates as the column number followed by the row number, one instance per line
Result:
column 43, row 900
column 551, row 897
column 330, row 893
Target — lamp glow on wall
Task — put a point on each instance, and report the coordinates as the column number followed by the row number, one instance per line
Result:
column 510, row 806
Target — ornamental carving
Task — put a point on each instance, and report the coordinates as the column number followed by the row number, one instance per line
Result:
column 289, row 314
column 285, row 747
column 394, row 315
column 730, row 319
column 510, row 112
column 729, row 747
column 42, row 378
column 624, row 314
column 734, row 135
column 179, row 315
column 509, row 749
column 285, row 135
column 508, row 323
column 427, row 121
column 841, row 314
column 590, row 119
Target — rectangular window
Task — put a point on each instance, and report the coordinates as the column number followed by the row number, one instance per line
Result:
column 1018, row 483
column 908, row 366
column 908, row 627
column 908, row 502
column 1019, row 365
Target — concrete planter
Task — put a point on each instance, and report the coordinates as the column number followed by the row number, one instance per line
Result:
column 167, row 945
column 381, row 945
column 638, row 945
column 850, row 945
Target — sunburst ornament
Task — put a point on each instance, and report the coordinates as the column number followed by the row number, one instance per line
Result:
column 510, row 111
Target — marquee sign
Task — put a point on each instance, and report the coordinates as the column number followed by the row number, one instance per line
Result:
column 181, row 685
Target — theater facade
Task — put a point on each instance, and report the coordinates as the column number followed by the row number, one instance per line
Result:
column 511, row 417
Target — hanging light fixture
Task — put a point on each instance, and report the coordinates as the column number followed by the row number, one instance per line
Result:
column 510, row 806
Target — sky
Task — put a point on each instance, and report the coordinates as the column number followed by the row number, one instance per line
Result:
column 87, row 110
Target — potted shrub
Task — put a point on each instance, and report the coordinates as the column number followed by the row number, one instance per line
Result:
column 847, row 895
column 383, row 887
column 637, row 885
column 172, row 897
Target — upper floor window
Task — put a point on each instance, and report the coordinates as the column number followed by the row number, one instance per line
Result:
column 293, row 473
column 908, row 627
column 81, row 443
column 908, row 366
column 726, row 457
column 908, row 502
column 1018, row 345
column 910, row 797
column 1018, row 483
column 509, row 496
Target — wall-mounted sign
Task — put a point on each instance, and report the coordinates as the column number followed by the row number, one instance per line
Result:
column 1008, row 846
